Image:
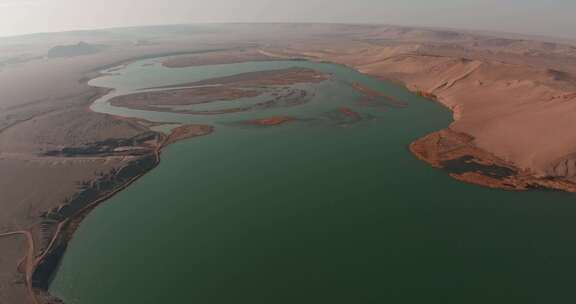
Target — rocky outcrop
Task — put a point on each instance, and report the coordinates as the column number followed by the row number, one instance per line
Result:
column 456, row 153
column 79, row 49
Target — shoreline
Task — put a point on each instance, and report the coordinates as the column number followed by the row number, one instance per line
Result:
column 521, row 180
column 428, row 149
column 455, row 153
column 46, row 263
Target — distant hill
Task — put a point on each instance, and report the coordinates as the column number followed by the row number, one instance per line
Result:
column 79, row 49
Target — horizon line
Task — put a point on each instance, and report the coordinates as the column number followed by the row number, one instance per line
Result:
column 431, row 27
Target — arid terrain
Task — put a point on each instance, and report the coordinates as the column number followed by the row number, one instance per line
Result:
column 513, row 100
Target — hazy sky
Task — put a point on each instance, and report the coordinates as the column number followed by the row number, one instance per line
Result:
column 551, row 17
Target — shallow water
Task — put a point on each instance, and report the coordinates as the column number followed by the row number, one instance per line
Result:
column 313, row 212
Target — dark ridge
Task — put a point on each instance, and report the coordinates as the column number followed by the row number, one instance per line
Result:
column 467, row 163
column 78, row 206
column 108, row 182
column 79, row 49
column 541, row 188
column 43, row 273
column 107, row 147
column 558, row 75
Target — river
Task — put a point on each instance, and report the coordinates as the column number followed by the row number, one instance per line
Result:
column 313, row 211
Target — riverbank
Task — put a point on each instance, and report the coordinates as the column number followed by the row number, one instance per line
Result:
column 144, row 151
column 68, row 217
column 456, row 153
column 451, row 151
column 252, row 210
column 445, row 149
column 515, row 107
column 149, row 149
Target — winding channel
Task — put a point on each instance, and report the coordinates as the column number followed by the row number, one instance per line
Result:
column 314, row 211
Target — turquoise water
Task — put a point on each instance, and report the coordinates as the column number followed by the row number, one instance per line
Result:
column 315, row 211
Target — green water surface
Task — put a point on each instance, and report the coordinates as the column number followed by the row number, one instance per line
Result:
column 313, row 212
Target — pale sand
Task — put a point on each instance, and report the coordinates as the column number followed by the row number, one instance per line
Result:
column 12, row 282
column 523, row 113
